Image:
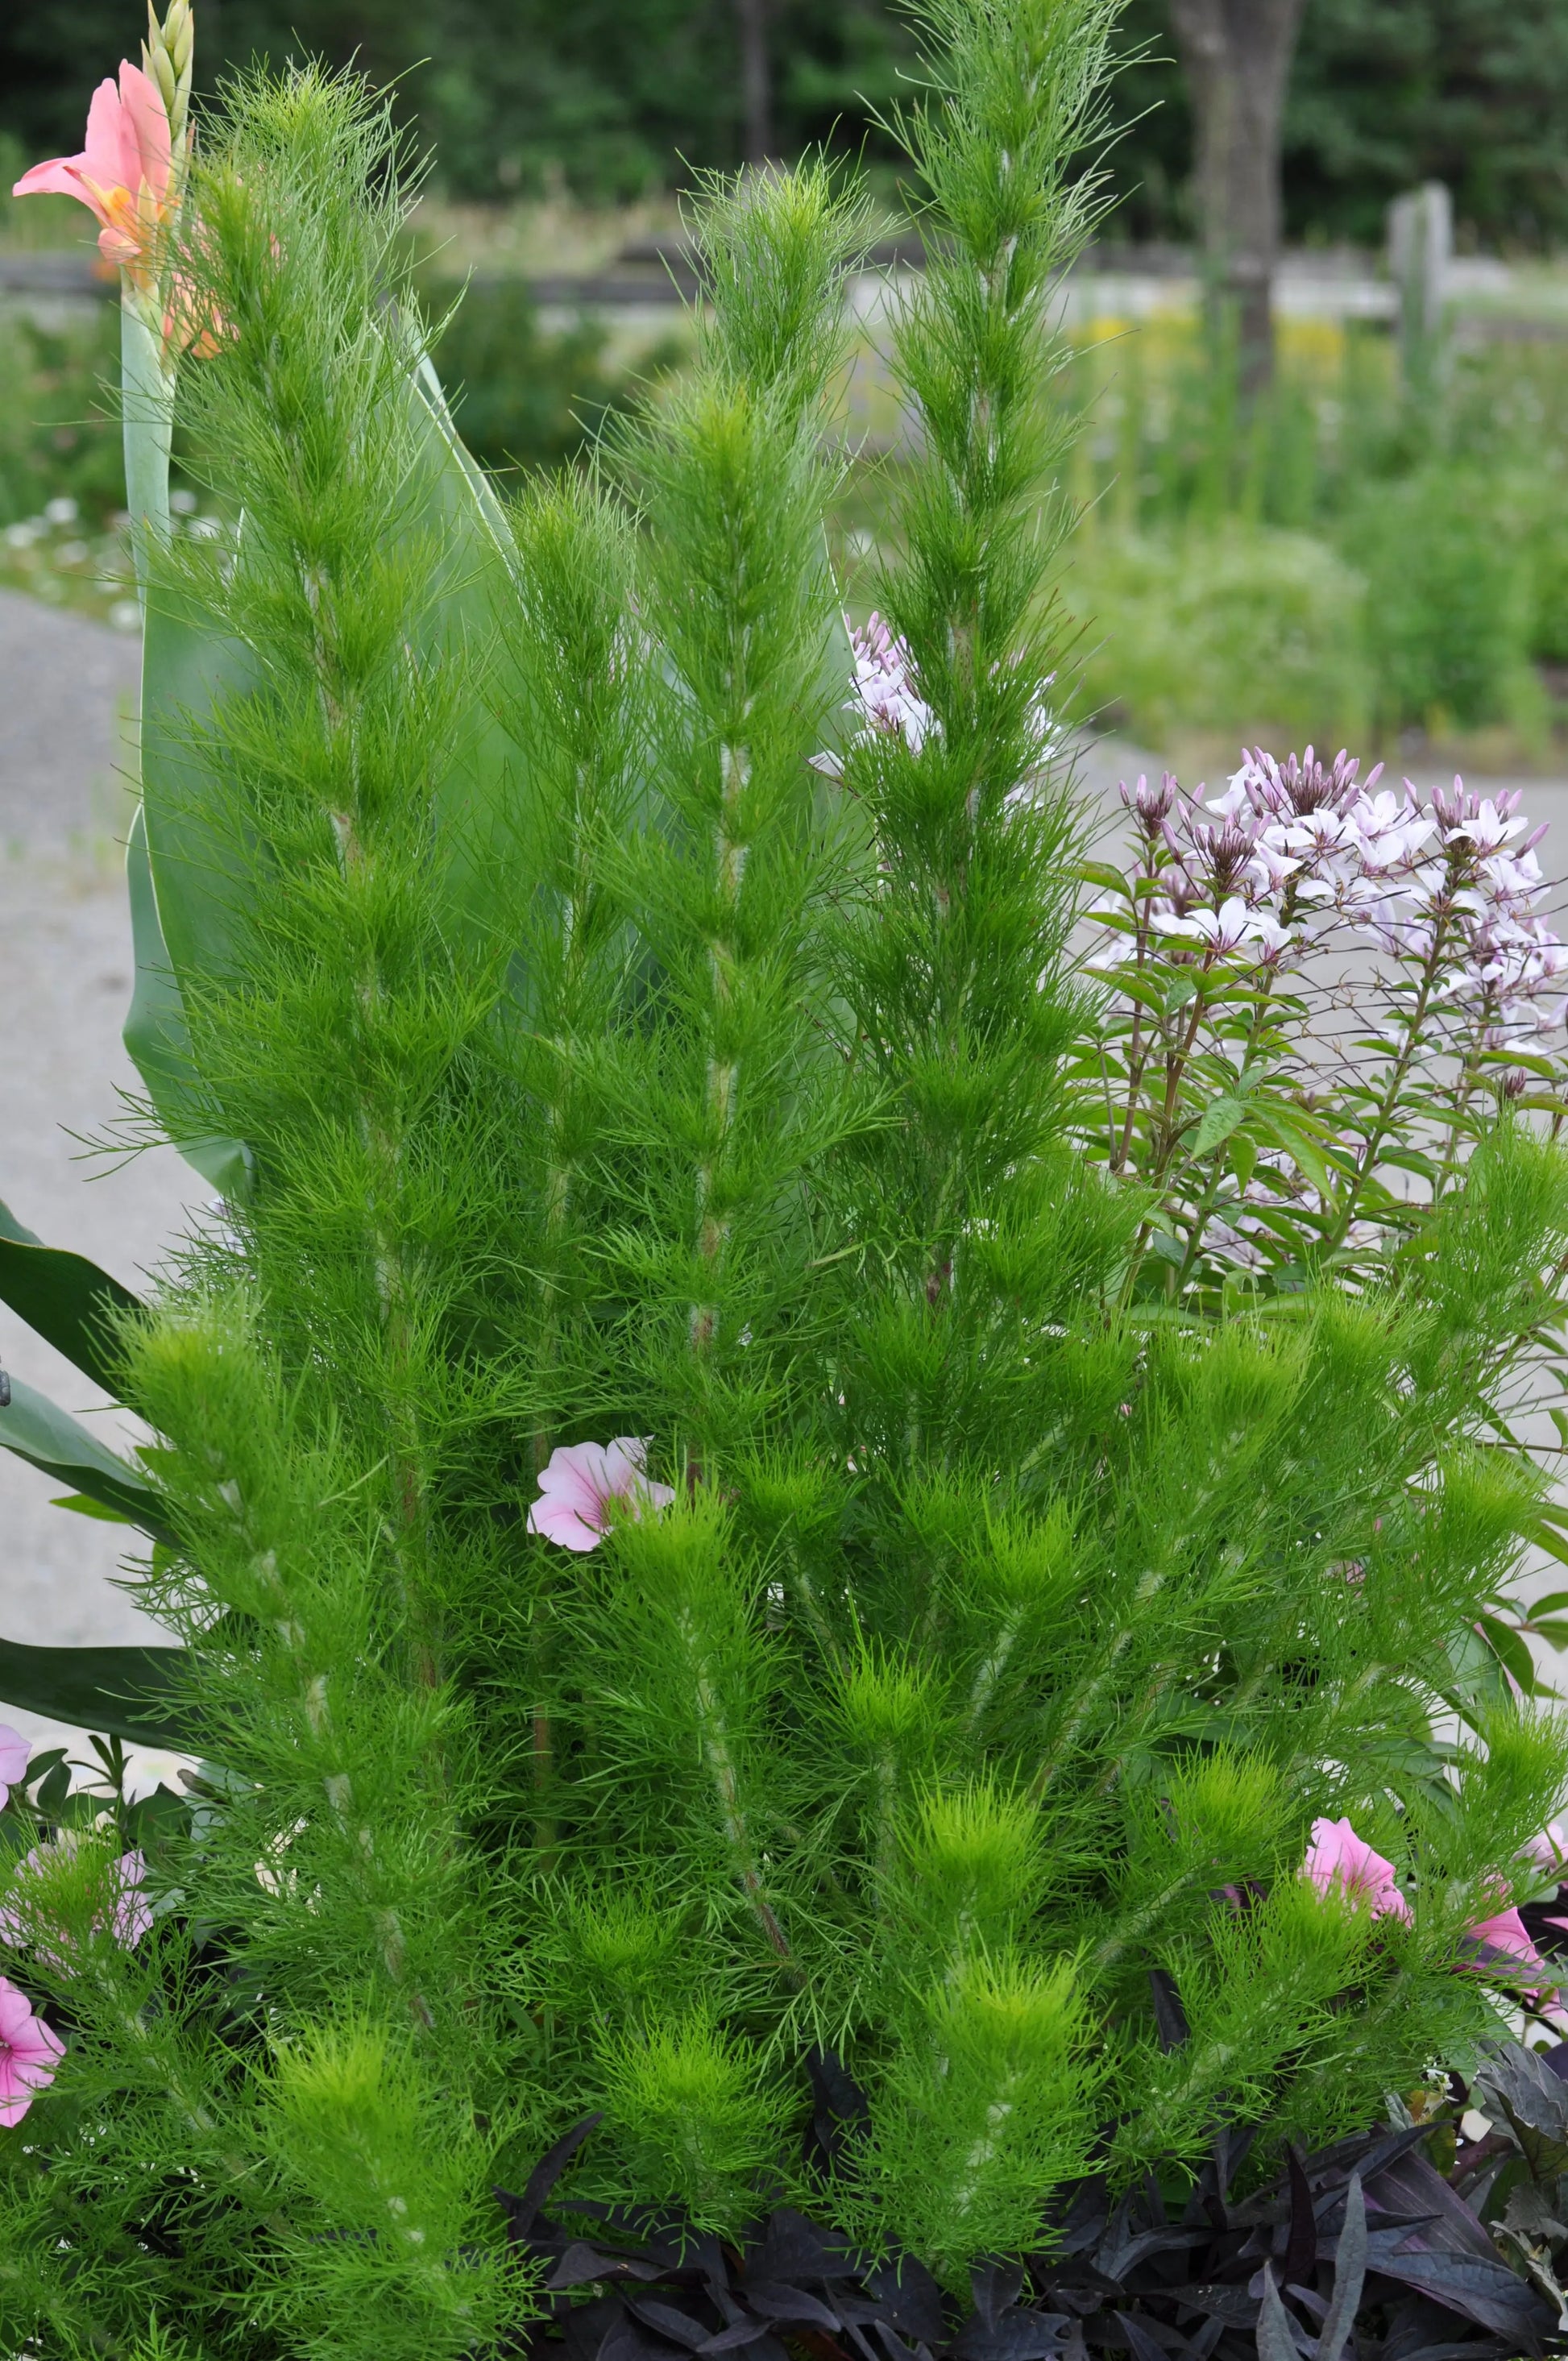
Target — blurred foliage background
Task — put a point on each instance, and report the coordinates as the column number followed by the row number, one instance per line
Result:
column 615, row 98
column 1352, row 556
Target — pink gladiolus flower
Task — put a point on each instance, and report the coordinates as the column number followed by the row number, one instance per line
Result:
column 1337, row 1856
column 582, row 1480
column 29, row 2052
column 123, row 173
column 14, row 1753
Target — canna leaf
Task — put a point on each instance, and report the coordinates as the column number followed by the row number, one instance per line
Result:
column 16, row 1231
column 119, row 1692
column 157, row 1040
column 63, row 1298
column 81, row 1506
column 49, row 1438
column 190, row 669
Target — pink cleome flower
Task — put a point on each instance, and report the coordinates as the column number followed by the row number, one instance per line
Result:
column 1338, row 1856
column 582, row 1481
column 122, row 174
column 29, row 2052
column 14, row 1751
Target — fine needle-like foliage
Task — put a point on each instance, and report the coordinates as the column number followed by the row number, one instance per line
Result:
column 707, row 1576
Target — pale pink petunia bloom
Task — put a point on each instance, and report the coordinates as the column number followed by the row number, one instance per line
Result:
column 24, row 1921
column 122, row 173
column 583, row 1480
column 29, row 2052
column 1338, row 1856
column 1506, row 1932
column 1549, row 1850
column 133, row 1912
column 14, row 1751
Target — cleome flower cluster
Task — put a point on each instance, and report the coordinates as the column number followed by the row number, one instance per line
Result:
column 1294, row 848
column 1321, row 989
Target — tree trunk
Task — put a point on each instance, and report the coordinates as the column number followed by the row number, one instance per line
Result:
column 1237, row 54
column 756, row 81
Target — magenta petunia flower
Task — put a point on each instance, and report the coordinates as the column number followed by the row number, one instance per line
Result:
column 29, row 2052
column 14, row 1753
column 581, row 1482
column 1338, row 1856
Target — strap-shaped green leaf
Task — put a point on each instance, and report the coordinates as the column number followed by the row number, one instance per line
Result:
column 157, row 1039
column 200, row 878
column 49, row 1438
column 126, row 1693
column 62, row 1297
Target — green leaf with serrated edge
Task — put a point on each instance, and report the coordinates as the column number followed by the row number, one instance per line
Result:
column 1145, row 989
column 1219, row 1119
column 1295, row 1142
column 63, row 1298
column 126, row 1693
column 157, row 1040
column 47, row 1437
column 1100, row 872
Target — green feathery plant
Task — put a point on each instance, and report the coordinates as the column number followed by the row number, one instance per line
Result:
column 690, row 1556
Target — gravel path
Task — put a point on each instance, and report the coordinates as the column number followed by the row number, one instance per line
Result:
column 67, row 692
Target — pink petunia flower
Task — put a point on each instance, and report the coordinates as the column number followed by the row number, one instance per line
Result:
column 583, row 1480
column 14, row 1751
column 122, row 174
column 1338, row 1856
column 1506, row 1932
column 29, row 2052
column 24, row 1916
column 1549, row 1850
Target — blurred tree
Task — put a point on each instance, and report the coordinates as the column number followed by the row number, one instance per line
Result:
column 1387, row 93
column 622, row 95
column 1236, row 55
column 756, row 78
